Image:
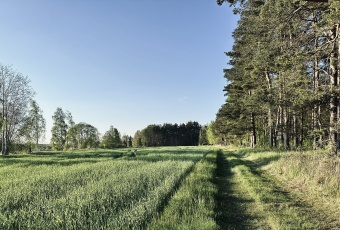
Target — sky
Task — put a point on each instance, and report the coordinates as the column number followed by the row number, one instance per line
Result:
column 122, row 63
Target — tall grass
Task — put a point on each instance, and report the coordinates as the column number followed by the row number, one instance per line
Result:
column 312, row 176
column 192, row 206
column 316, row 174
column 57, row 191
column 280, row 209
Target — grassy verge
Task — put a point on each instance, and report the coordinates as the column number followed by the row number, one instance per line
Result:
column 281, row 209
column 192, row 206
column 316, row 177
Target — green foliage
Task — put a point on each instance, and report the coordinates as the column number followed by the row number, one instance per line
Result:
column 15, row 96
column 211, row 134
column 137, row 139
column 203, row 139
column 171, row 134
column 35, row 125
column 59, row 130
column 82, row 136
column 283, row 76
column 111, row 139
column 127, row 141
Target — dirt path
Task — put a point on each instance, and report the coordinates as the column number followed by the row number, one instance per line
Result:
column 250, row 199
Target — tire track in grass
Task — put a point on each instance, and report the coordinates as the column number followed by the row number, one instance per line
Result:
column 282, row 209
column 236, row 208
column 192, row 205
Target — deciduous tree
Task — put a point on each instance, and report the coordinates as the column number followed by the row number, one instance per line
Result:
column 35, row 125
column 59, row 129
column 15, row 95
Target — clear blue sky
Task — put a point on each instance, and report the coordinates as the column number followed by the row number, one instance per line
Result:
column 121, row 63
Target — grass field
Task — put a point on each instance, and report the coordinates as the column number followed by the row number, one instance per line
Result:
column 169, row 188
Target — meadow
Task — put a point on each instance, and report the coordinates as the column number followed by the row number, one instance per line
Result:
column 97, row 189
column 170, row 188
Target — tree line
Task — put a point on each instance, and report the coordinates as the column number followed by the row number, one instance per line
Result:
column 168, row 135
column 283, row 82
column 68, row 135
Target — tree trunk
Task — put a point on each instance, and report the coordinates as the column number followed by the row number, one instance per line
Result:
column 253, row 131
column 302, row 136
column 271, row 129
column 270, row 112
column 286, row 129
column 316, row 76
column 296, row 132
column 333, row 118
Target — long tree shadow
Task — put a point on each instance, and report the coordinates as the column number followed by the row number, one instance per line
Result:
column 278, row 198
column 256, row 164
column 229, row 211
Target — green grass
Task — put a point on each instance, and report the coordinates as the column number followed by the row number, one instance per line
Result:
column 315, row 174
column 193, row 205
column 271, row 179
column 236, row 207
column 169, row 188
column 96, row 189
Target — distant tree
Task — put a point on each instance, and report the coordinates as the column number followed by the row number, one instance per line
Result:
column 111, row 139
column 203, row 140
column 85, row 135
column 35, row 125
column 15, row 95
column 170, row 134
column 151, row 136
column 71, row 139
column 193, row 131
column 69, row 119
column 129, row 141
column 212, row 137
column 124, row 140
column 137, row 139
column 59, row 130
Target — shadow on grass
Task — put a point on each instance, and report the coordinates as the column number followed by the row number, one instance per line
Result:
column 69, row 158
column 261, row 161
column 57, row 158
column 229, row 211
column 291, row 211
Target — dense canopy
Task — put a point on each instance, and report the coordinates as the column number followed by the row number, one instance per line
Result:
column 283, row 80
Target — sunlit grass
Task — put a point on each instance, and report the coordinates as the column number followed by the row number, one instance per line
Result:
column 315, row 174
column 193, row 205
column 281, row 210
column 93, row 189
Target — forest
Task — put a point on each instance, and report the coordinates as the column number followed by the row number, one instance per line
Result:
column 282, row 84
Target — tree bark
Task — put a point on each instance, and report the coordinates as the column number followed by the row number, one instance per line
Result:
column 286, row 129
column 253, row 131
column 270, row 112
column 333, row 118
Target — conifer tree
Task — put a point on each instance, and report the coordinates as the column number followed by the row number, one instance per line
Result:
column 284, row 77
